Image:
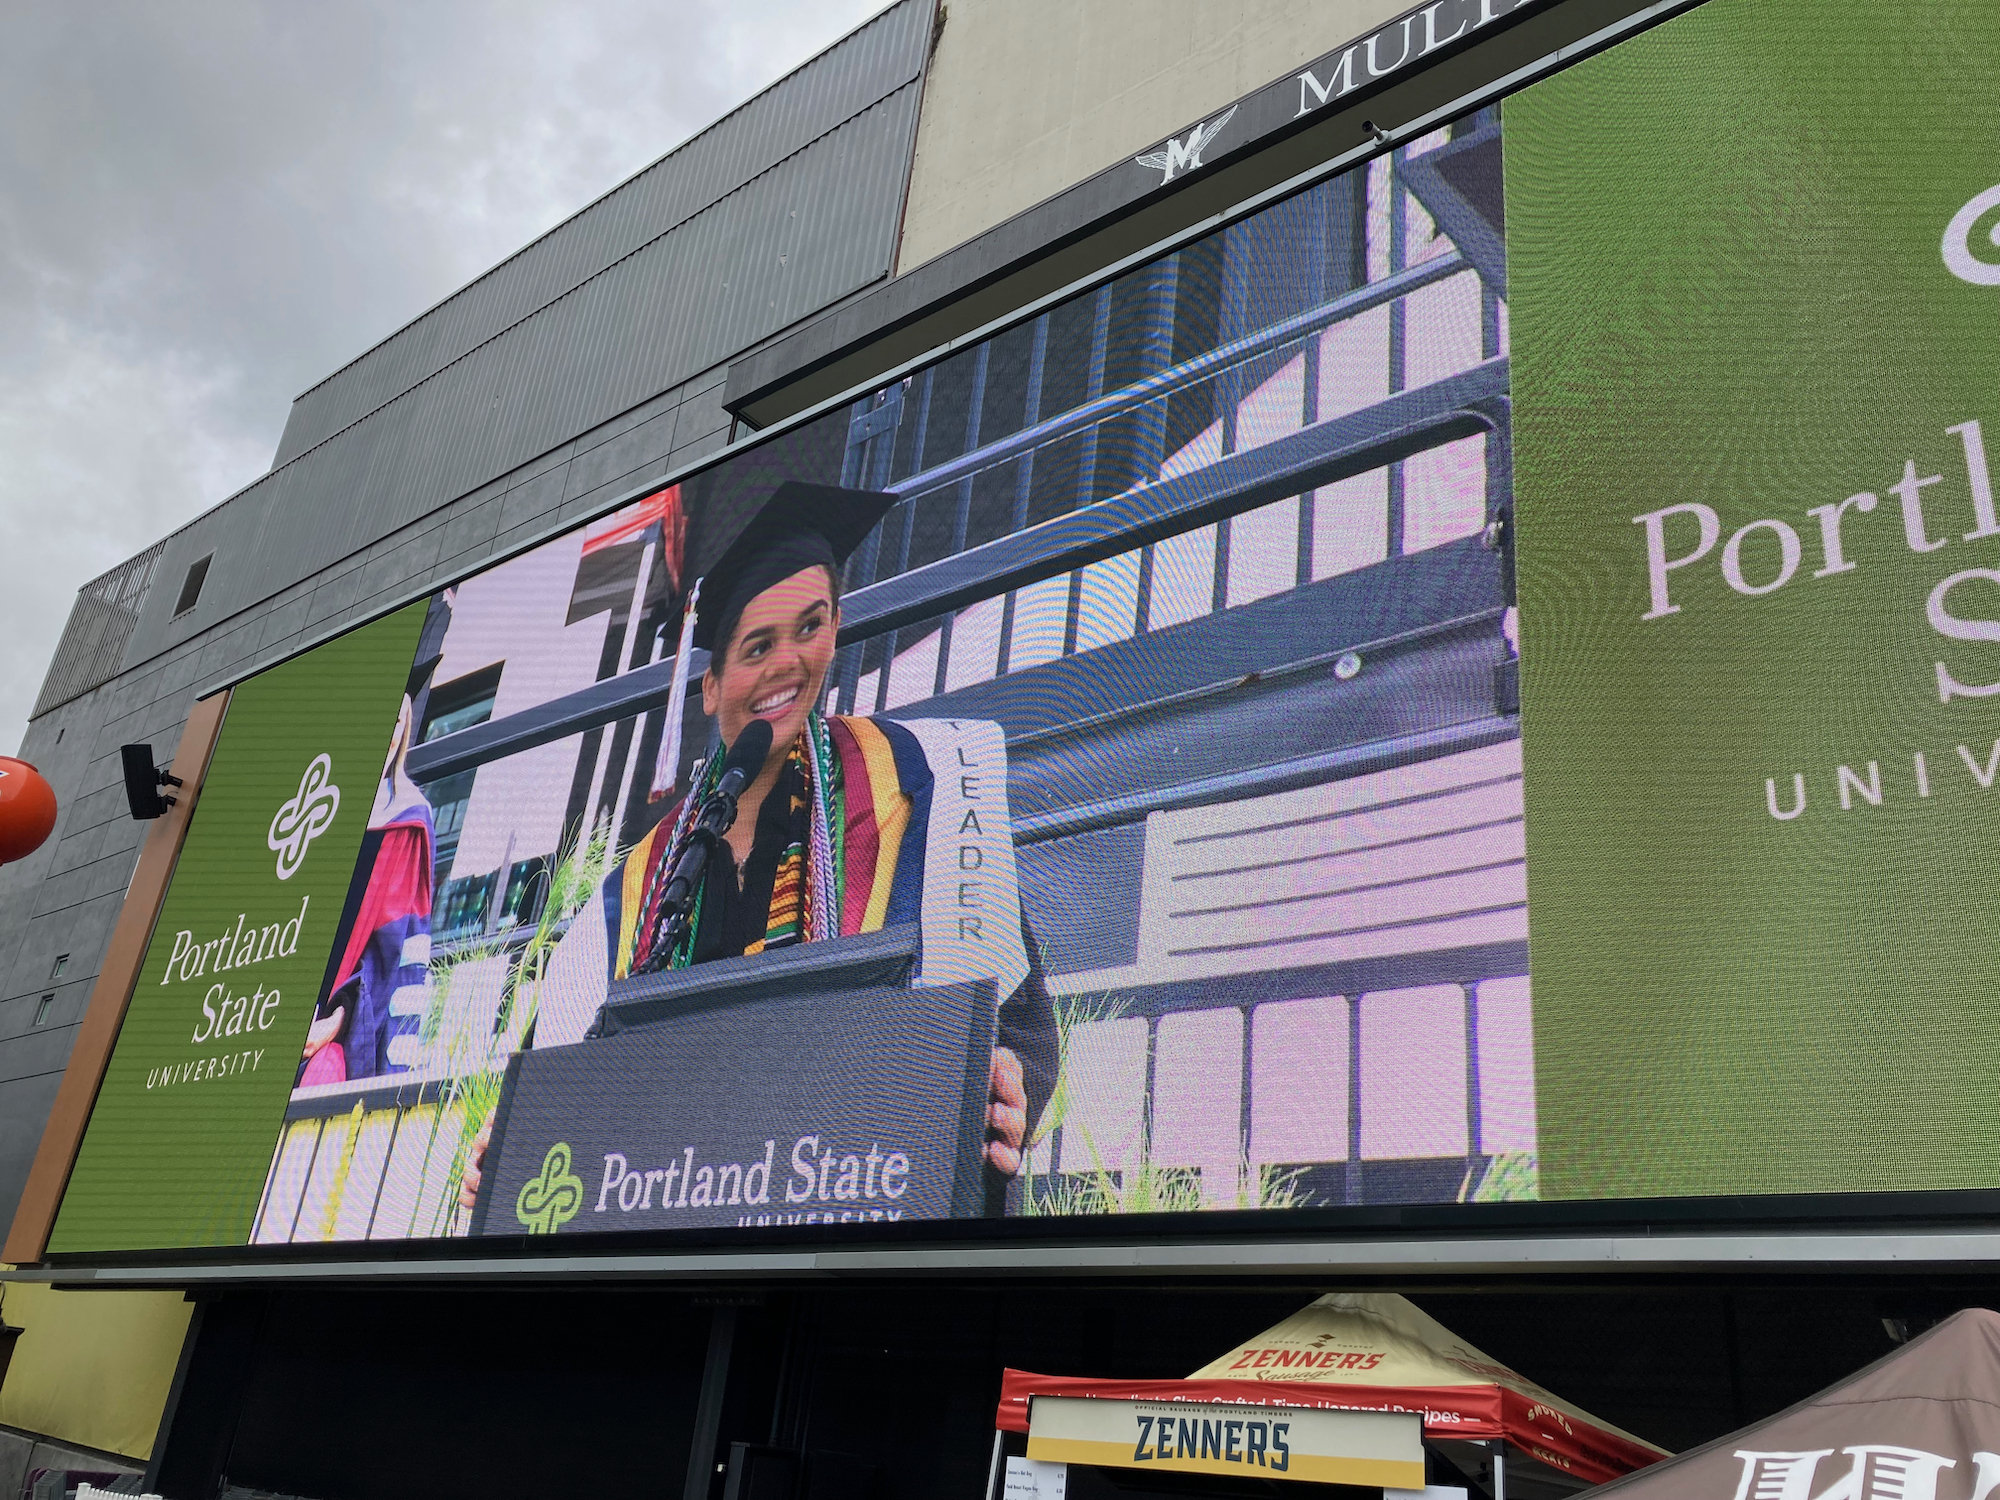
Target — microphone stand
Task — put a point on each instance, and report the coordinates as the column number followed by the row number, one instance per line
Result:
column 717, row 817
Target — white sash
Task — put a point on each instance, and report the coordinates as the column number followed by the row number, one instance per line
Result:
column 972, row 895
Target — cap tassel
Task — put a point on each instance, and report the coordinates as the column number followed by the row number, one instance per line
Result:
column 666, row 770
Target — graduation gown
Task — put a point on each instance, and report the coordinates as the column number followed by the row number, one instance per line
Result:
column 384, row 970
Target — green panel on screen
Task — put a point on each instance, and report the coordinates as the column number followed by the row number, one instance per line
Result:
column 190, row 1107
column 1751, row 278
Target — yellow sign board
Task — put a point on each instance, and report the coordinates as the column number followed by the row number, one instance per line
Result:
column 1372, row 1448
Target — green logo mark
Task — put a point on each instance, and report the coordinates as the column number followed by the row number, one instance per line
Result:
column 551, row 1200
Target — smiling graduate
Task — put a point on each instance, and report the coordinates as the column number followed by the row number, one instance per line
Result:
column 768, row 615
column 832, row 837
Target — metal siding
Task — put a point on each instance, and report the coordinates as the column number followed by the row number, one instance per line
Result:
column 640, row 326
column 791, row 202
column 884, row 55
column 65, row 896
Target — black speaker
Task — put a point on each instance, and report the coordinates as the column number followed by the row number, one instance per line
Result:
column 143, row 781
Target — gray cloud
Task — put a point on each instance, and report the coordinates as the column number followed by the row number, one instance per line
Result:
column 207, row 206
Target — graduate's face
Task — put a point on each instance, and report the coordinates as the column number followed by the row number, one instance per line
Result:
column 777, row 659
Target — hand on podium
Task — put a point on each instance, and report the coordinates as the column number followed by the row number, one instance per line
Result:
column 475, row 1158
column 1007, row 1115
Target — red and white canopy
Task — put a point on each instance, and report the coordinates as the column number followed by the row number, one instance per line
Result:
column 1374, row 1351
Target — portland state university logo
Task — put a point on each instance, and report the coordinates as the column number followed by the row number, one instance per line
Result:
column 304, row 817
column 1959, row 258
column 551, row 1200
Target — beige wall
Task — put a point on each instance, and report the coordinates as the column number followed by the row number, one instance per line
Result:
column 1027, row 97
column 92, row 1368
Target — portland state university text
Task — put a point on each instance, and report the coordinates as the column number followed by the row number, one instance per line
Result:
column 229, row 1007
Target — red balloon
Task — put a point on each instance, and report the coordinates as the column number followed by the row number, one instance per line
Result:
column 27, row 809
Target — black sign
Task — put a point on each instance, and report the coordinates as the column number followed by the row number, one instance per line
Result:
column 867, row 1105
column 1417, row 36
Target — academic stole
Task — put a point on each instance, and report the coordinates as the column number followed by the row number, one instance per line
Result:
column 809, row 866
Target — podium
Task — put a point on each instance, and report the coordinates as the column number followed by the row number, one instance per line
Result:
column 812, row 1085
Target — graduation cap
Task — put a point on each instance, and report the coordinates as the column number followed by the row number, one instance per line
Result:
column 800, row 526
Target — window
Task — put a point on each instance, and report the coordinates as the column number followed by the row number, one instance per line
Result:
column 448, row 708
column 42, row 1010
column 61, row 963
column 460, row 703
column 197, row 575
column 449, row 799
column 527, row 891
column 462, row 906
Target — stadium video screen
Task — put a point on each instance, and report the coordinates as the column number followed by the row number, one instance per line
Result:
column 1473, row 684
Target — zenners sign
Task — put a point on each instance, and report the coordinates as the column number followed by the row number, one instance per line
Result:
column 1325, row 1447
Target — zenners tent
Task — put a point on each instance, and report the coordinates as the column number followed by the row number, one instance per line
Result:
column 1375, row 1351
column 1922, row 1423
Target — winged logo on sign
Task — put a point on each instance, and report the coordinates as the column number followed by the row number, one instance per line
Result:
column 1180, row 155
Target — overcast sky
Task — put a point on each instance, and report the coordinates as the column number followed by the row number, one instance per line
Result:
column 207, row 205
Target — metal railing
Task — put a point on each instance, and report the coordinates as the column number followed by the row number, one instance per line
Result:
column 1410, row 422
column 1189, row 372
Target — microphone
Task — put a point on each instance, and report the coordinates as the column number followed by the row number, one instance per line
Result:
column 718, row 814
column 746, row 759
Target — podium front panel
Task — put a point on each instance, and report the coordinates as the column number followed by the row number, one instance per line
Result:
column 854, row 1107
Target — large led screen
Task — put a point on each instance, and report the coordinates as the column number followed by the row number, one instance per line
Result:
column 1111, row 771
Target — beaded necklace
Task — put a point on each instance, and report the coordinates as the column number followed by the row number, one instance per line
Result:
column 822, row 892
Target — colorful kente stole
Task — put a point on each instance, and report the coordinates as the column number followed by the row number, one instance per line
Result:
column 853, row 870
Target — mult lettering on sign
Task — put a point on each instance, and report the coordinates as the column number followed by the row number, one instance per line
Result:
column 1408, row 40
column 1253, row 1442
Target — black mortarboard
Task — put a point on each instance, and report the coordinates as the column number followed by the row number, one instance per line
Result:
column 800, row 526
